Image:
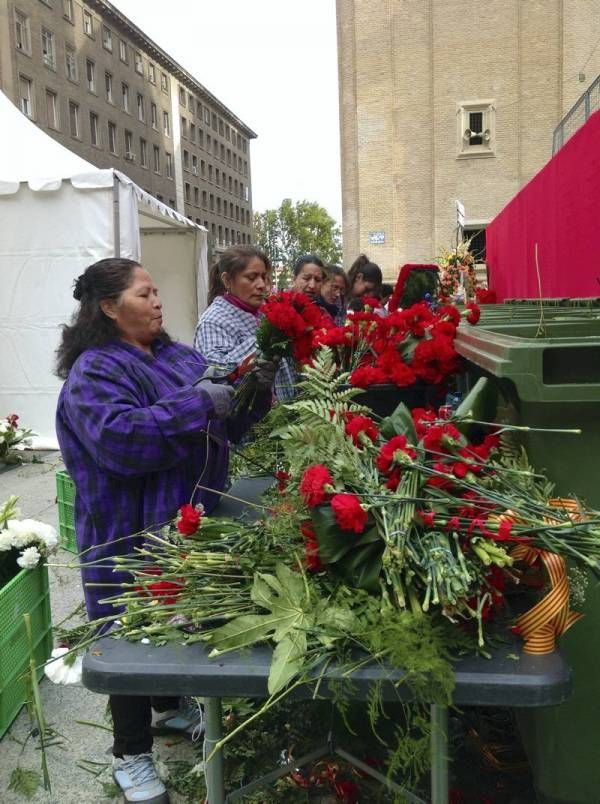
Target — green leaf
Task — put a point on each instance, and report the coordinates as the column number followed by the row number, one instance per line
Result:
column 362, row 567
column 250, row 629
column 24, row 782
column 287, row 661
column 400, row 422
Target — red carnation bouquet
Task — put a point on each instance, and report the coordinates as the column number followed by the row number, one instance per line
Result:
column 416, row 344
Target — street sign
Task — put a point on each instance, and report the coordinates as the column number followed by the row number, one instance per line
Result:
column 460, row 213
column 376, row 238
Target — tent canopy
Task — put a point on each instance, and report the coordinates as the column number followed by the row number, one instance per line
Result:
column 59, row 214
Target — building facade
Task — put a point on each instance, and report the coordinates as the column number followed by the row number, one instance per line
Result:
column 446, row 100
column 96, row 83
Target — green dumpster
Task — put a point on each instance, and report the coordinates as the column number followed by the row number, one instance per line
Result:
column 554, row 382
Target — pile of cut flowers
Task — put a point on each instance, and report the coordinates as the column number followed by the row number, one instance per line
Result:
column 13, row 439
column 386, row 541
column 23, row 542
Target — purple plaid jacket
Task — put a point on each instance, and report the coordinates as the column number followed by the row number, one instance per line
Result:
column 136, row 437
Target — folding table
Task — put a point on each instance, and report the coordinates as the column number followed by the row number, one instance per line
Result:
column 119, row 667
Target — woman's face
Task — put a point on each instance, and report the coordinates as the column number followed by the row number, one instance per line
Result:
column 309, row 280
column 251, row 285
column 333, row 289
column 138, row 310
column 362, row 286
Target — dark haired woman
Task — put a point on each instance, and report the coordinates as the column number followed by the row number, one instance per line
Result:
column 333, row 294
column 226, row 332
column 364, row 278
column 309, row 274
column 138, row 427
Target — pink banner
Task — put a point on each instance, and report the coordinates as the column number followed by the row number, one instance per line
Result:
column 559, row 209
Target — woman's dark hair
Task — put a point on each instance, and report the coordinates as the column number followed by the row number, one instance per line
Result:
column 105, row 279
column 370, row 272
column 232, row 262
column 386, row 289
column 336, row 270
column 308, row 259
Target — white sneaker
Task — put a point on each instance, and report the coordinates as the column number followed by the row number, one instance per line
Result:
column 136, row 776
column 187, row 721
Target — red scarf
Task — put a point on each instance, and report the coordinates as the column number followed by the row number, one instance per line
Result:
column 229, row 297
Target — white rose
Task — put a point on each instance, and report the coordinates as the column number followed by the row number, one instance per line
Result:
column 29, row 558
column 4, row 427
column 23, row 531
column 6, row 540
column 48, row 536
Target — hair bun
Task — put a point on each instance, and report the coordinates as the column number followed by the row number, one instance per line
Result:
column 80, row 287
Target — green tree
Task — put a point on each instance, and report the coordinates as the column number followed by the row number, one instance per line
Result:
column 295, row 229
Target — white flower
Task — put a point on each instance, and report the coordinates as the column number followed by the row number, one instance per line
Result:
column 6, row 540
column 29, row 558
column 4, row 427
column 29, row 531
column 60, row 671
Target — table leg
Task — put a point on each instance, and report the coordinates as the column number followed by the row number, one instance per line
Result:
column 439, row 754
column 213, row 771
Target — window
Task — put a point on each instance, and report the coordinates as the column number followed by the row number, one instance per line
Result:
column 129, row 155
column 22, row 32
column 246, row 193
column 214, row 121
column 202, row 167
column 71, row 63
column 153, row 116
column 182, row 96
column 230, row 183
column 123, row 54
column 112, row 138
column 221, row 127
column 245, row 167
column 192, row 132
column 137, row 62
column 228, row 133
column 244, row 146
column 68, row 10
column 90, row 75
column 204, row 194
column 107, row 42
column 228, row 156
column 164, row 82
column 208, row 142
column 201, row 138
column 88, row 24
column 186, row 160
column 168, row 165
column 187, row 192
column 94, row 129
column 52, row 109
column 183, row 127
column 108, row 84
column 141, row 108
column 125, row 96
column 210, row 173
column 190, row 103
column 211, row 202
column 166, row 124
column 207, row 116
column 156, row 152
column 213, row 230
column 26, row 95
column 220, row 233
column 74, row 119
column 476, row 130
column 48, row 50
column 199, row 111
column 194, row 165
column 151, row 73
column 143, row 153
column 217, row 177
column 247, row 217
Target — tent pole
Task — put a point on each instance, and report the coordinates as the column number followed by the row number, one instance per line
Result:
column 116, row 219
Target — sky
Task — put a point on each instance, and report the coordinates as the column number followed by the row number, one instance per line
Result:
column 274, row 64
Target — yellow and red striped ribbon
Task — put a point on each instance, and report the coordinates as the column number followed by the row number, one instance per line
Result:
column 542, row 625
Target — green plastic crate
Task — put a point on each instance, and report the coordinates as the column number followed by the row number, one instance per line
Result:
column 65, row 497
column 29, row 592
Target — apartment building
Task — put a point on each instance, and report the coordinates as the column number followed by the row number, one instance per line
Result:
column 89, row 77
column 446, row 100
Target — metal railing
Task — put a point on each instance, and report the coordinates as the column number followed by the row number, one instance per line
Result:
column 588, row 103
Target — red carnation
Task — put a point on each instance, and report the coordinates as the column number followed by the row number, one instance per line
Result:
column 166, row 591
column 361, row 429
column 316, row 485
column 395, row 452
column 349, row 513
column 13, row 420
column 282, row 480
column 364, row 376
column 474, row 313
column 188, row 519
column 422, row 419
column 427, row 518
column 311, row 547
column 441, row 438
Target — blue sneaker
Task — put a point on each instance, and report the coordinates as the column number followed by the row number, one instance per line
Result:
column 187, row 721
column 136, row 776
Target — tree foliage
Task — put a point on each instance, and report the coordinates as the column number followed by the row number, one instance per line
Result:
column 295, row 229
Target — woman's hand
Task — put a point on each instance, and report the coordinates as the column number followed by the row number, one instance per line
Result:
column 220, row 395
column 265, row 372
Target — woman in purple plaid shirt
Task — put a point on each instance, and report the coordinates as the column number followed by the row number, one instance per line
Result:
column 138, row 427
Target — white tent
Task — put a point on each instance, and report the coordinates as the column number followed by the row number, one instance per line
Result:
column 59, row 214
